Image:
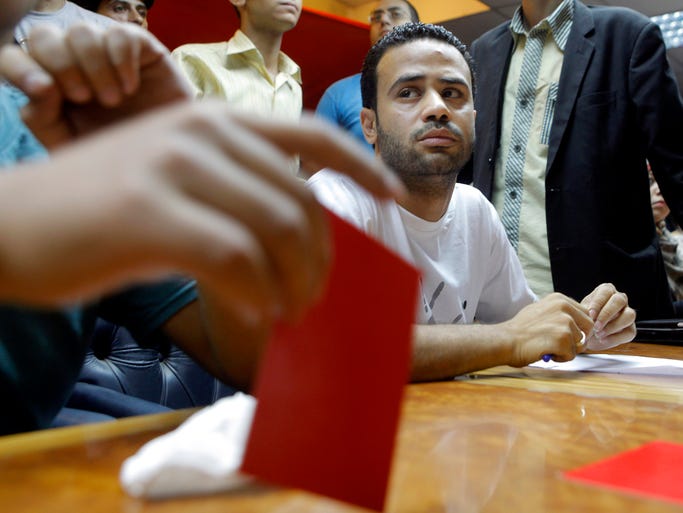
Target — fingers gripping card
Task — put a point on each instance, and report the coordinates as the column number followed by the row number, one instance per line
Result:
column 329, row 388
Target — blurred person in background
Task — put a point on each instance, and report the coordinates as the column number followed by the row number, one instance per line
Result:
column 131, row 11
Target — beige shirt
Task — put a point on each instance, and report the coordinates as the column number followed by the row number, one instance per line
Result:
column 235, row 70
column 532, row 243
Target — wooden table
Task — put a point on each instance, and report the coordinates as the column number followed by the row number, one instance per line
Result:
column 497, row 441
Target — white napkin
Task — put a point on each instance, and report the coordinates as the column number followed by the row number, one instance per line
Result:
column 202, row 455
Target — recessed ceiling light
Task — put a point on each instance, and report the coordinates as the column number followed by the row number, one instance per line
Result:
column 671, row 24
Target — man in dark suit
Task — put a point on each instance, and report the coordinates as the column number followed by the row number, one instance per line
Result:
column 571, row 102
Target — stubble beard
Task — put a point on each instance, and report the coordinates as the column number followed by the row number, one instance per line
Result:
column 428, row 175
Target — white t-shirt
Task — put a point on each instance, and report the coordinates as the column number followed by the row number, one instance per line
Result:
column 469, row 269
column 68, row 15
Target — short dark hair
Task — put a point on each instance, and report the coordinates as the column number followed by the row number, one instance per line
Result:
column 401, row 35
column 93, row 5
column 414, row 16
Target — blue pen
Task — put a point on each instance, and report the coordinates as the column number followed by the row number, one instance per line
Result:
column 547, row 357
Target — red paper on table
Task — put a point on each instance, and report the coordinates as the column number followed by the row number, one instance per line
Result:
column 653, row 470
column 329, row 389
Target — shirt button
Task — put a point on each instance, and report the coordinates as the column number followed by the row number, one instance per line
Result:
column 524, row 103
column 517, row 148
column 513, row 194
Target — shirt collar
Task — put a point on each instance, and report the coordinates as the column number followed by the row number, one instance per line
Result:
column 559, row 23
column 240, row 43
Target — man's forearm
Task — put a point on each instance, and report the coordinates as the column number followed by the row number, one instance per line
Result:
column 211, row 336
column 236, row 343
column 445, row 351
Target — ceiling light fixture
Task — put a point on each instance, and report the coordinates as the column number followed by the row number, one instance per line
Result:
column 672, row 28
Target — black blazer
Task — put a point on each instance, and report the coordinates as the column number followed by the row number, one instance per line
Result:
column 618, row 105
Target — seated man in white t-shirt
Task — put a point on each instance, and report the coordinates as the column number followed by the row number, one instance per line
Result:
column 476, row 309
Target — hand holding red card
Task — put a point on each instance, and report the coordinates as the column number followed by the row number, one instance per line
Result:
column 330, row 388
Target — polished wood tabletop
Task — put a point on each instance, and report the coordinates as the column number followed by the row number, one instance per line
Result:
column 495, row 441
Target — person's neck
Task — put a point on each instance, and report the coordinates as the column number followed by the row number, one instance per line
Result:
column 49, row 5
column 268, row 43
column 536, row 10
column 428, row 207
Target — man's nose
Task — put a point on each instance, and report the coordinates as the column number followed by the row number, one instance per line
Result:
column 385, row 18
column 136, row 17
column 435, row 107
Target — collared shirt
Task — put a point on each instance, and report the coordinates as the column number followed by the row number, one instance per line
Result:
column 528, row 110
column 235, row 70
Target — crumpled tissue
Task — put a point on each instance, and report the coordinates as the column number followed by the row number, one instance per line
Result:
column 203, row 455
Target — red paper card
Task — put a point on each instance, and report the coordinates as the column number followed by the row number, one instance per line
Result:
column 330, row 388
column 654, row 470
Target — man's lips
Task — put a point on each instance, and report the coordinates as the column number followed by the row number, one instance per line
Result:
column 290, row 5
column 438, row 137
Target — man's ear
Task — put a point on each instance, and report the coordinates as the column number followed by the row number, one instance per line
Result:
column 368, row 121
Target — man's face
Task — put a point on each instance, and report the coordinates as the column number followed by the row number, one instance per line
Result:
column 424, row 122
column 132, row 11
column 275, row 15
column 386, row 15
column 660, row 210
column 11, row 12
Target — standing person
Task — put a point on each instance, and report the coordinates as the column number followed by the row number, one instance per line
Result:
column 670, row 239
column 250, row 71
column 131, row 11
column 60, row 13
column 572, row 101
column 341, row 103
column 476, row 310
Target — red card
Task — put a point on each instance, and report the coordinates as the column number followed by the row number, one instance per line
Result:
column 654, row 470
column 330, row 388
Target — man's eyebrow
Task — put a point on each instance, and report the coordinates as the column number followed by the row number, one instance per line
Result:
column 454, row 81
column 403, row 79
column 390, row 9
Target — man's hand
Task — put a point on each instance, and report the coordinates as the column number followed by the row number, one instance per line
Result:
column 190, row 188
column 87, row 78
column 614, row 319
column 553, row 325
column 187, row 187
